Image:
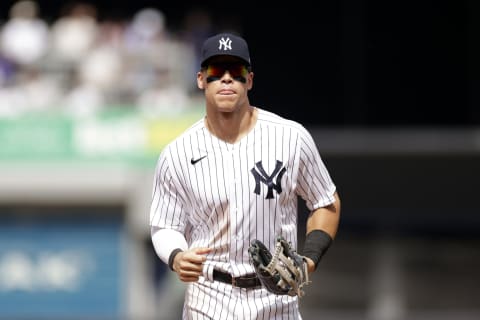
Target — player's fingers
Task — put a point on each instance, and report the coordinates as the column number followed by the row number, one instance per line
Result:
column 197, row 255
column 189, row 276
column 202, row 250
column 188, row 261
column 189, row 266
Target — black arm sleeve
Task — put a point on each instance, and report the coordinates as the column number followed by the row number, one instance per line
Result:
column 316, row 245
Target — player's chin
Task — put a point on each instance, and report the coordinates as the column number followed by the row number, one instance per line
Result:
column 227, row 106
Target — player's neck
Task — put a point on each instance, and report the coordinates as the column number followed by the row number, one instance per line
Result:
column 232, row 126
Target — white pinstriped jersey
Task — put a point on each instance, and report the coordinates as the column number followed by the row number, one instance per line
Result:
column 223, row 195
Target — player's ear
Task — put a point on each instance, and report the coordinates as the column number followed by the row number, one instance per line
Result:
column 250, row 80
column 200, row 82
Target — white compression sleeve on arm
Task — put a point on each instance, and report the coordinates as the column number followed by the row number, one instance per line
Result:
column 166, row 240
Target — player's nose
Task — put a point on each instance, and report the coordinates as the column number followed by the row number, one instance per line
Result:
column 227, row 77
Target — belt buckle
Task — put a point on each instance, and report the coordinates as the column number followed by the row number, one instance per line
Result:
column 234, row 281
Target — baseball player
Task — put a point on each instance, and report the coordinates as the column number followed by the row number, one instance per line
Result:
column 232, row 177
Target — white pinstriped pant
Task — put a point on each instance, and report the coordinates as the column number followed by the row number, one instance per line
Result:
column 215, row 300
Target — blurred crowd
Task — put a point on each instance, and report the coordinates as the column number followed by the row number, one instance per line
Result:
column 80, row 65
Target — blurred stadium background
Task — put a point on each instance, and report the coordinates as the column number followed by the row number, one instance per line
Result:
column 90, row 92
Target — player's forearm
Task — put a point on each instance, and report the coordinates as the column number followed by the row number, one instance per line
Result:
column 322, row 227
column 325, row 218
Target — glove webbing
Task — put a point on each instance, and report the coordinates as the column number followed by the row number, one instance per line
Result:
column 286, row 269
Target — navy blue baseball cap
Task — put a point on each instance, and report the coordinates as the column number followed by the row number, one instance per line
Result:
column 225, row 44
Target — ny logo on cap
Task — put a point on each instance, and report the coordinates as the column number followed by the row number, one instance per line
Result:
column 225, row 43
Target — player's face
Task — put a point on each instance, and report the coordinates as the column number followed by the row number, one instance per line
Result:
column 226, row 81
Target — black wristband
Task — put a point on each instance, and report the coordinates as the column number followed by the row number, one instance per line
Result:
column 172, row 257
column 316, row 245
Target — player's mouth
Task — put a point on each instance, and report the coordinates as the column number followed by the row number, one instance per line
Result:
column 226, row 92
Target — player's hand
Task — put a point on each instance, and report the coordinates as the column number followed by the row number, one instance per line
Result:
column 189, row 264
column 310, row 265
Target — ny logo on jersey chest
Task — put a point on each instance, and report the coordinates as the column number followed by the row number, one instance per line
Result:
column 261, row 176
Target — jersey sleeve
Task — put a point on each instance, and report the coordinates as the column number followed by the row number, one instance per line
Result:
column 314, row 183
column 168, row 209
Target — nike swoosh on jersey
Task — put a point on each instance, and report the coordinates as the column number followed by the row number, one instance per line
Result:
column 193, row 161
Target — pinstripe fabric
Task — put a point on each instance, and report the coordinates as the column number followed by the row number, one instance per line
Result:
column 217, row 300
column 237, row 193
